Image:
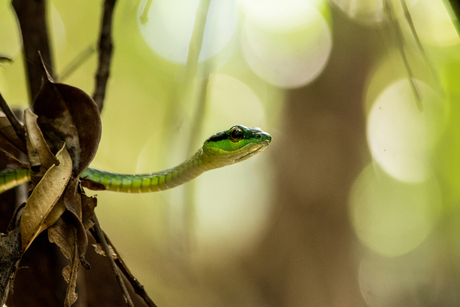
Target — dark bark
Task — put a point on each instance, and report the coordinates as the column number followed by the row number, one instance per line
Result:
column 32, row 20
column 9, row 259
column 105, row 49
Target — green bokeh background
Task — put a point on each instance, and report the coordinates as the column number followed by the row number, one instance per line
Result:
column 283, row 228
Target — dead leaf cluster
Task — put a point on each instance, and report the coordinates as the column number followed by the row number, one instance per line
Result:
column 60, row 138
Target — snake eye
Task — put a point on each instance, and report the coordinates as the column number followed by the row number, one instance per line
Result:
column 236, row 134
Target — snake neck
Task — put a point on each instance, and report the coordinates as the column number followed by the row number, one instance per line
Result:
column 185, row 171
column 152, row 182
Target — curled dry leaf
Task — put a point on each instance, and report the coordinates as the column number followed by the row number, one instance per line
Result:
column 70, row 274
column 44, row 206
column 11, row 151
column 65, row 237
column 37, row 148
column 88, row 205
column 69, row 114
column 73, row 203
column 7, row 130
column 66, row 113
column 10, row 143
column 38, row 140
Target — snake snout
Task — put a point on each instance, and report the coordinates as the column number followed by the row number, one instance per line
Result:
column 263, row 137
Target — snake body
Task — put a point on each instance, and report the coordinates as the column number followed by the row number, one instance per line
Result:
column 223, row 148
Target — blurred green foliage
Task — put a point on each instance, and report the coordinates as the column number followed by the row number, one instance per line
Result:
column 404, row 197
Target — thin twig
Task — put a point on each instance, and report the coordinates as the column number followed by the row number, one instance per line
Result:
column 4, row 58
column 137, row 286
column 455, row 10
column 105, row 48
column 103, row 242
column 411, row 24
column 185, row 91
column 400, row 42
column 17, row 126
column 190, row 81
column 196, row 42
column 76, row 63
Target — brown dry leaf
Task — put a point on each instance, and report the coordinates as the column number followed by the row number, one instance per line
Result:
column 88, row 205
column 34, row 160
column 36, row 145
column 99, row 250
column 73, row 203
column 43, row 207
column 69, row 114
column 65, row 237
column 70, row 273
column 7, row 130
column 66, row 113
column 11, row 151
column 10, row 144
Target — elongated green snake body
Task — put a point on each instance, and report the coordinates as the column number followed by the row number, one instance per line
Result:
column 223, row 148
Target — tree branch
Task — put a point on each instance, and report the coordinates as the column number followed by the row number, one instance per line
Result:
column 137, row 286
column 105, row 48
column 32, row 20
column 17, row 126
column 108, row 254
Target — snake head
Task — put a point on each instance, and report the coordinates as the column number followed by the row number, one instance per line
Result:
column 234, row 145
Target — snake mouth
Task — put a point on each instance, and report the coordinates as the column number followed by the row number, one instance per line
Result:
column 258, row 148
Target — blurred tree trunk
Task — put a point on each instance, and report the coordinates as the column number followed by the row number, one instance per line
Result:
column 307, row 255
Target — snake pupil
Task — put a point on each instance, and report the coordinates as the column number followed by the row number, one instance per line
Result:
column 236, row 134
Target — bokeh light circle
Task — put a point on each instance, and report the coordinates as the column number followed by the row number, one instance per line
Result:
column 278, row 15
column 11, row 40
column 224, row 219
column 228, row 221
column 219, row 216
column 432, row 22
column 364, row 11
column 286, row 44
column 226, row 97
column 382, row 280
column 392, row 217
column 167, row 27
column 399, row 135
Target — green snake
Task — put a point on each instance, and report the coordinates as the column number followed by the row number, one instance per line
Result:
column 223, row 148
